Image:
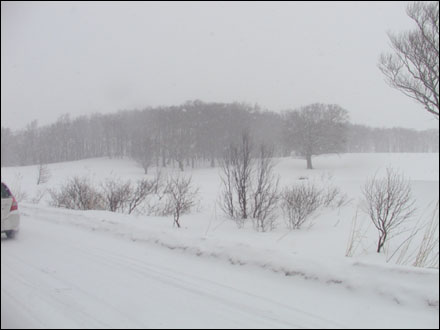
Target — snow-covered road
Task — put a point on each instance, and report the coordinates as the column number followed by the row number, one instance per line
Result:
column 58, row 276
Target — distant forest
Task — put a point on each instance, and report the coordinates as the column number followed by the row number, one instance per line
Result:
column 189, row 135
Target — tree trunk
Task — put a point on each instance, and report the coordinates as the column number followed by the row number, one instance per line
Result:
column 309, row 162
column 176, row 219
column 381, row 242
column 164, row 163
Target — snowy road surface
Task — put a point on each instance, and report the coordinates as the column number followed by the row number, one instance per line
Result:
column 59, row 276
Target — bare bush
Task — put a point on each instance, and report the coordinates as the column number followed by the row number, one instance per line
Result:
column 389, row 204
column 158, row 181
column 250, row 187
column 116, row 194
column 158, row 205
column 227, row 203
column 299, row 202
column 143, row 189
column 181, row 196
column 265, row 195
column 330, row 195
column 237, row 167
column 77, row 194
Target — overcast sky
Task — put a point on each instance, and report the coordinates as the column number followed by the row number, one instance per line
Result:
column 83, row 58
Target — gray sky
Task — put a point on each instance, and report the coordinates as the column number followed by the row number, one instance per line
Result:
column 82, row 58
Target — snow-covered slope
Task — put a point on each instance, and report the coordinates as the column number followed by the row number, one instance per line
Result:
column 101, row 269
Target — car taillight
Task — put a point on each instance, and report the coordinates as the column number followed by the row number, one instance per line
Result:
column 14, row 205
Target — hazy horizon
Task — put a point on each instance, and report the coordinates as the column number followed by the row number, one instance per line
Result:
column 88, row 57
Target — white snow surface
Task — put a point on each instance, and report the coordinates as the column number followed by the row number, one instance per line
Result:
column 98, row 269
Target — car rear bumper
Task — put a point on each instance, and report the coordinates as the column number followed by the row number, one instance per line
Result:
column 12, row 222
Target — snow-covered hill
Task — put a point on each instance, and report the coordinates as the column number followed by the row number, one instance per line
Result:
column 101, row 269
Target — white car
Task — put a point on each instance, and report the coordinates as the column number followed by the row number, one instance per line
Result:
column 10, row 215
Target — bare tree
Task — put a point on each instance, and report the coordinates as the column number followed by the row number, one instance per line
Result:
column 144, row 155
column 316, row 129
column 389, row 204
column 413, row 68
column 43, row 174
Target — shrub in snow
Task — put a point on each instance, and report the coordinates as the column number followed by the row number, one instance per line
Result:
column 250, row 187
column 389, row 203
column 181, row 196
column 299, row 202
column 143, row 189
column 116, row 194
column 237, row 167
column 264, row 192
column 77, row 194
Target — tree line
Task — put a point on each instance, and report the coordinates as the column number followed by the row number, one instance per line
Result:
column 198, row 133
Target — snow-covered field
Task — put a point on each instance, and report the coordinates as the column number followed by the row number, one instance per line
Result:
column 100, row 269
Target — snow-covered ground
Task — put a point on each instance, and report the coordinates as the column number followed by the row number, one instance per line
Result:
column 101, row 269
